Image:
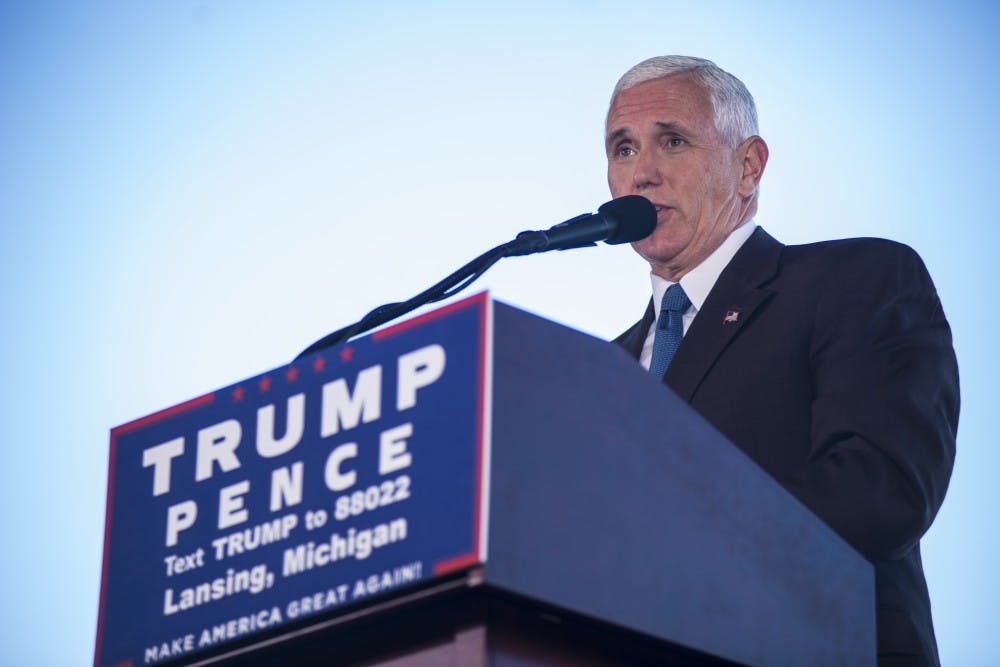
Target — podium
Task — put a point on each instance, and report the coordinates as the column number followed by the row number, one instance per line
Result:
column 575, row 512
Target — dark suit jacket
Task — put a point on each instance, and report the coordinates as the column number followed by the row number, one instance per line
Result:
column 838, row 377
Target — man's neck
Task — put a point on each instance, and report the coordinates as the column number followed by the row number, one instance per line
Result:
column 698, row 281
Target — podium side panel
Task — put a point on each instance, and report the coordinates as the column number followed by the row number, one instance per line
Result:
column 611, row 497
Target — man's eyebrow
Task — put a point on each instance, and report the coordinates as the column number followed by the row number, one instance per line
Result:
column 616, row 135
column 661, row 127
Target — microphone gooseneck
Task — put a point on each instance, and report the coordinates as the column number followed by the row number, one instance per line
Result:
column 621, row 220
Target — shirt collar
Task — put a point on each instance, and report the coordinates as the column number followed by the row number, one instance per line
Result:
column 700, row 280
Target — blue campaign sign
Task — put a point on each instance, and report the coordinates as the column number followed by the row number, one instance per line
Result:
column 344, row 476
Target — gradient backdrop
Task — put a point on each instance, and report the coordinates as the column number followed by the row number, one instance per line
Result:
column 191, row 192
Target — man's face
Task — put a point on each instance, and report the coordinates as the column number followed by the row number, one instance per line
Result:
column 662, row 144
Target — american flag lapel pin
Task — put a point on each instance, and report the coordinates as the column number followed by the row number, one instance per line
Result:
column 732, row 317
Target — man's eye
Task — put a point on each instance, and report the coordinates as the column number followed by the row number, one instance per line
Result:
column 675, row 142
column 625, row 151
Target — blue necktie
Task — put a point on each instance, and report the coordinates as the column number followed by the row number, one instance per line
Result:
column 669, row 329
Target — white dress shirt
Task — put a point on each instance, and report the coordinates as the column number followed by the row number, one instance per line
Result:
column 697, row 283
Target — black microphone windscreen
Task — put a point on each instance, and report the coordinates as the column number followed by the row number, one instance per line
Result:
column 634, row 217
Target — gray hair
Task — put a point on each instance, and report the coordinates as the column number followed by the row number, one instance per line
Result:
column 733, row 105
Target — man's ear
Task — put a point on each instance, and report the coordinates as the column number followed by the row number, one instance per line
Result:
column 753, row 152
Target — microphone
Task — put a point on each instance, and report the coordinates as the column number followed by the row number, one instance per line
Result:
column 621, row 220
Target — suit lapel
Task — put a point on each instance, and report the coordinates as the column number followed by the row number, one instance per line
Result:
column 729, row 308
column 633, row 339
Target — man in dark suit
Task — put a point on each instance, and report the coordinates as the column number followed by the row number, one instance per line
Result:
column 830, row 364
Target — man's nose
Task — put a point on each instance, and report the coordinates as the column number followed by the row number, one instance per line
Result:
column 647, row 173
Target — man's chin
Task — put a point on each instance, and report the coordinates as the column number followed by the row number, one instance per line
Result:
column 656, row 253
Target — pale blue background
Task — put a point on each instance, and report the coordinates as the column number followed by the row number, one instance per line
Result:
column 190, row 192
